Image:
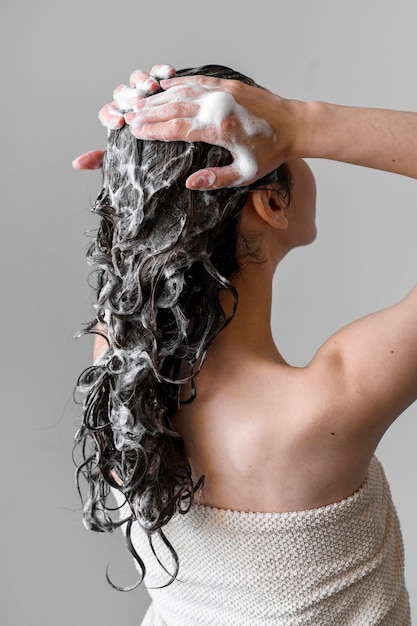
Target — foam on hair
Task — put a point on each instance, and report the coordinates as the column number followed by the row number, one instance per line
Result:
column 161, row 256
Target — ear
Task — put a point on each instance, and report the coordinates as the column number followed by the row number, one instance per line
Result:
column 268, row 206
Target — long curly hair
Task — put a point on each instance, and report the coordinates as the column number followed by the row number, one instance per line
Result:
column 161, row 256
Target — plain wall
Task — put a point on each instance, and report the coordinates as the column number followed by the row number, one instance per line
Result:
column 60, row 63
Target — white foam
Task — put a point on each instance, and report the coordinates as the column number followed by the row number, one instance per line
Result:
column 162, row 71
column 125, row 97
column 146, row 85
column 214, row 107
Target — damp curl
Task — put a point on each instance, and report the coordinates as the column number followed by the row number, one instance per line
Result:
column 161, row 257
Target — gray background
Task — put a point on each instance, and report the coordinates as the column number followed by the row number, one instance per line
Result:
column 60, row 63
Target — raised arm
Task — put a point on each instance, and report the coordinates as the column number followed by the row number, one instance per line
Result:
column 368, row 370
column 273, row 129
column 259, row 128
column 376, row 138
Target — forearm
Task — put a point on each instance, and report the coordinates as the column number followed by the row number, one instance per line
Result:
column 376, row 138
column 264, row 130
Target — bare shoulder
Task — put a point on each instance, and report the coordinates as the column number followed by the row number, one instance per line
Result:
column 272, row 441
column 368, row 368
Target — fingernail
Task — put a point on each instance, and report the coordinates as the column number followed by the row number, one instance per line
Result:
column 202, row 181
column 76, row 163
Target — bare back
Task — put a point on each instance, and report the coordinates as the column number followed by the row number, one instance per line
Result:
column 266, row 439
column 271, row 437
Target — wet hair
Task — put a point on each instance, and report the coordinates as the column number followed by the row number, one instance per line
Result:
column 161, row 256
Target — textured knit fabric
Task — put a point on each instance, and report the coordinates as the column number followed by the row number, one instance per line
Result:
column 338, row 565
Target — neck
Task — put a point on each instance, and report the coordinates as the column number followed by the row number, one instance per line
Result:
column 250, row 328
column 247, row 340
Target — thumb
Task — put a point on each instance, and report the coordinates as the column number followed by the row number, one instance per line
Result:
column 215, row 178
column 92, row 160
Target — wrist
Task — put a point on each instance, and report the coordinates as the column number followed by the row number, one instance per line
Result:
column 309, row 129
column 297, row 122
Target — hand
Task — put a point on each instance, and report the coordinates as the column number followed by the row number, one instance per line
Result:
column 251, row 122
column 111, row 115
column 142, row 85
column 92, row 160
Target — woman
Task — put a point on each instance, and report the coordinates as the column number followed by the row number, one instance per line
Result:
column 288, row 516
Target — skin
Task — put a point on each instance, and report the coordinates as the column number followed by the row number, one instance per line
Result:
column 269, row 436
column 112, row 118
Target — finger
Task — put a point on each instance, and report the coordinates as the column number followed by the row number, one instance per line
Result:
column 203, row 179
column 124, row 97
column 163, row 113
column 138, row 76
column 179, row 129
column 160, row 132
column 208, row 82
column 162, row 71
column 92, row 160
column 215, row 178
column 111, row 117
column 144, row 83
column 173, row 96
column 175, row 130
